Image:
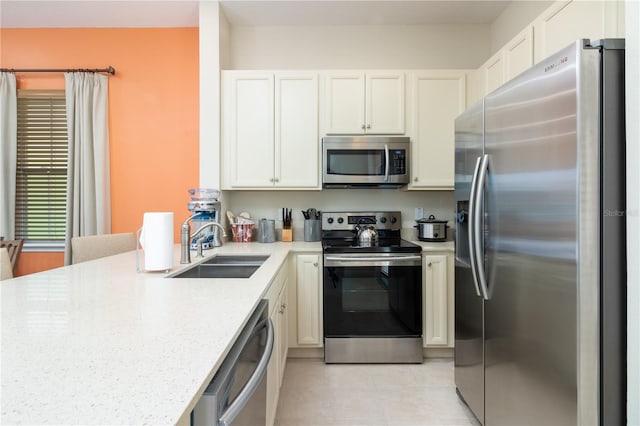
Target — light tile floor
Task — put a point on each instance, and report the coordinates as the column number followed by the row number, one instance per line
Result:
column 319, row 394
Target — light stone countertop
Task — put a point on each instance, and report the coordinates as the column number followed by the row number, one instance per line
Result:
column 444, row 246
column 98, row 343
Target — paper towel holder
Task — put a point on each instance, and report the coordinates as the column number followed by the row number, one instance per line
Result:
column 140, row 268
column 154, row 241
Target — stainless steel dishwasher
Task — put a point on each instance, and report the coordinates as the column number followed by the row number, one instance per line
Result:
column 237, row 394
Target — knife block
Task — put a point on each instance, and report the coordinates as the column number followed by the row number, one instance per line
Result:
column 287, row 235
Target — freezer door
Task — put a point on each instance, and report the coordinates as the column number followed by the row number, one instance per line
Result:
column 469, row 363
column 531, row 206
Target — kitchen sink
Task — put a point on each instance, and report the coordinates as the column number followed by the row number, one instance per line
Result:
column 240, row 266
column 236, row 260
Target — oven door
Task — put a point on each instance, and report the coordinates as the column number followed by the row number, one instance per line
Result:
column 372, row 295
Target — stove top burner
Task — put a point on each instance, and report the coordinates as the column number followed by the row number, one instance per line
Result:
column 339, row 231
column 384, row 245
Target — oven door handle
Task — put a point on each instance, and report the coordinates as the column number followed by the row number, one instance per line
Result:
column 371, row 258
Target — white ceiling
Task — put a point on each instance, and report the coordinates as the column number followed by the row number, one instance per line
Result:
column 184, row 13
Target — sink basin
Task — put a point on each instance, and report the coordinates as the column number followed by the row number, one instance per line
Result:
column 218, row 271
column 240, row 266
column 236, row 260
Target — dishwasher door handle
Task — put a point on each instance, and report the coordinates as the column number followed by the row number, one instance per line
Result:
column 247, row 390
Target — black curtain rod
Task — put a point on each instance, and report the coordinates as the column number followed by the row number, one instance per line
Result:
column 109, row 70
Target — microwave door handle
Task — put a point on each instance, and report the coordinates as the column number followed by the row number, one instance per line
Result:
column 245, row 394
column 386, row 163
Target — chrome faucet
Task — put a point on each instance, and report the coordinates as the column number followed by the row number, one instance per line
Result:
column 186, row 236
column 216, row 241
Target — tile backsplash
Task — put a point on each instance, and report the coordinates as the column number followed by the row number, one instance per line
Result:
column 265, row 204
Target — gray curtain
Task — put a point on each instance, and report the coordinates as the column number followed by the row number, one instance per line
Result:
column 8, row 152
column 88, row 189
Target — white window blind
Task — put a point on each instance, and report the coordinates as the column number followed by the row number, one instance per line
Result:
column 41, row 169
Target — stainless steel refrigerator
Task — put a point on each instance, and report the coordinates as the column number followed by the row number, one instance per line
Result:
column 540, row 272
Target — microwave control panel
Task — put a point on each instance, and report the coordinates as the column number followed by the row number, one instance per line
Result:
column 397, row 162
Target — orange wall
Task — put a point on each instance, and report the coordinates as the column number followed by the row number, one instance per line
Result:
column 153, row 112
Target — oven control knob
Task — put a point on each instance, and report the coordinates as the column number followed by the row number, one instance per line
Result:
column 330, row 220
column 340, row 220
column 393, row 219
column 383, row 219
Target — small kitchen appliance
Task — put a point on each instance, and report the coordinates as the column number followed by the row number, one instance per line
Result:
column 431, row 229
column 205, row 208
column 266, row 231
column 372, row 290
column 365, row 161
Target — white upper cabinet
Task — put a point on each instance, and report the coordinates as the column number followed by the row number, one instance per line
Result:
column 561, row 24
column 270, row 133
column 385, row 103
column 438, row 98
column 248, row 139
column 567, row 21
column 518, row 53
column 360, row 102
column 475, row 88
column 296, row 131
column 493, row 72
column 344, row 102
column 515, row 57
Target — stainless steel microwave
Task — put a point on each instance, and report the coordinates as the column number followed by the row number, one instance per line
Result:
column 365, row 161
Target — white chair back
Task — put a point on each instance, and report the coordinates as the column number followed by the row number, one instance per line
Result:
column 96, row 246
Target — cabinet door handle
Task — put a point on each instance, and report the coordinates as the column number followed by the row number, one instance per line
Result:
column 415, row 179
column 277, row 179
column 368, row 126
column 270, row 179
column 362, row 127
column 315, row 264
column 429, row 264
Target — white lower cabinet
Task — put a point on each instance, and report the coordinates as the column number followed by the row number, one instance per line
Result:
column 438, row 300
column 305, row 300
column 278, row 312
column 296, row 313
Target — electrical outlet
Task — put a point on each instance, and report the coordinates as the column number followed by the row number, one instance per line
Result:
column 419, row 213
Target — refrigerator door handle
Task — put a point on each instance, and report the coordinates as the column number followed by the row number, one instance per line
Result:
column 478, row 228
column 472, row 210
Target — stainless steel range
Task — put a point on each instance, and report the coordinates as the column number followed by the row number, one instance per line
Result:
column 372, row 282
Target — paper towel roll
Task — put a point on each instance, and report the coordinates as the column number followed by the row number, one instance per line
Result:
column 156, row 239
